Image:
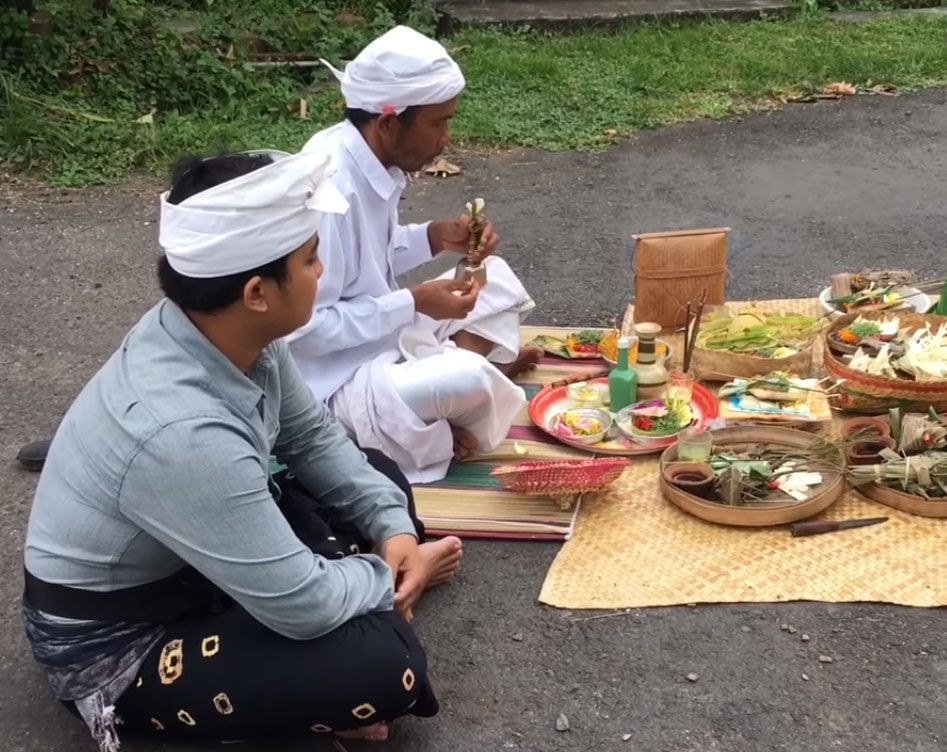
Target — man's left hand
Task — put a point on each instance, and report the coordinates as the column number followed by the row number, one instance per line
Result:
column 452, row 235
column 401, row 553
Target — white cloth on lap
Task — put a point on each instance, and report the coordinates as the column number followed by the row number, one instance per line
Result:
column 404, row 401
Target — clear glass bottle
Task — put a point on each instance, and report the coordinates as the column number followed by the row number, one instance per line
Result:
column 623, row 379
column 652, row 375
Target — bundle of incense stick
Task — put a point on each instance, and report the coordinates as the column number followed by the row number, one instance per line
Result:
column 690, row 334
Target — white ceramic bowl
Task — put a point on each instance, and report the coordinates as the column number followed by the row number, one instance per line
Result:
column 603, row 416
column 914, row 297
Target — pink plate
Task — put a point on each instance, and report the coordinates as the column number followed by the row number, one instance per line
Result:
column 550, row 401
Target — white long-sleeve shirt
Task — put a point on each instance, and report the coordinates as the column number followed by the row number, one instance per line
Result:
column 359, row 308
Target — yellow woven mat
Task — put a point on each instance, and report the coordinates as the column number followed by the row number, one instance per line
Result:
column 632, row 548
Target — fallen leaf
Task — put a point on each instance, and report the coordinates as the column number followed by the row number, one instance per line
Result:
column 303, row 109
column 442, row 169
column 147, row 119
column 460, row 50
column 840, row 89
column 610, row 132
column 886, row 90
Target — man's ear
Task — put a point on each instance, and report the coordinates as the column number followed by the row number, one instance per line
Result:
column 388, row 125
column 254, row 295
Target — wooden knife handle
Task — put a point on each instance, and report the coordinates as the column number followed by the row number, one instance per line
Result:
column 579, row 377
column 814, row 528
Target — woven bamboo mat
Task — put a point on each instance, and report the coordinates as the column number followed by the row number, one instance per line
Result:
column 470, row 503
column 632, row 548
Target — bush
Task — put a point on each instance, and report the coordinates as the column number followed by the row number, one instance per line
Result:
column 103, row 94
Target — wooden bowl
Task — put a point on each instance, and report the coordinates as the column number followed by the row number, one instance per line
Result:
column 866, row 427
column 867, row 451
column 824, row 495
column 862, row 392
column 904, row 501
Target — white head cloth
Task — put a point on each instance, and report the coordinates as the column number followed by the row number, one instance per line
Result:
column 400, row 69
column 251, row 220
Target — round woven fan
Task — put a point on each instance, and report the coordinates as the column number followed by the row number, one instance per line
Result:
column 560, row 479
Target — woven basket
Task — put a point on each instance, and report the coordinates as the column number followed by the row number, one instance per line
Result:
column 721, row 365
column 675, row 268
column 824, row 495
column 864, row 392
column 561, row 480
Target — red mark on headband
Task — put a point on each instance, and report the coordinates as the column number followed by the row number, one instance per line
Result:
column 388, row 109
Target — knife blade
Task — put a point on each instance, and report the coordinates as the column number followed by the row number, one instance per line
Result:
column 818, row 527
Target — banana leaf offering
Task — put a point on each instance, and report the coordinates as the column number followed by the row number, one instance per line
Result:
column 760, row 335
column 581, row 344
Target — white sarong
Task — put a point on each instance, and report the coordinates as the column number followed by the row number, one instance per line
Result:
column 404, row 401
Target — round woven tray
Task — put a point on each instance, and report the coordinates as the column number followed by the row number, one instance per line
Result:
column 832, row 487
column 863, row 392
column 904, row 501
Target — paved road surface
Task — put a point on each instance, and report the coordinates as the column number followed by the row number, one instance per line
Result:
column 807, row 191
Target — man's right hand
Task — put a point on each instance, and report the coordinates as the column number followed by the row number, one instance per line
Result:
column 445, row 298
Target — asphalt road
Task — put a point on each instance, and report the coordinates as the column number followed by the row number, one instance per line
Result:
column 808, row 191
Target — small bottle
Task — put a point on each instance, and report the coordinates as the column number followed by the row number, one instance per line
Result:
column 941, row 307
column 652, row 376
column 623, row 380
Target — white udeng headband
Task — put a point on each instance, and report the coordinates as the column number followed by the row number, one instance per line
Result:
column 401, row 69
column 250, row 220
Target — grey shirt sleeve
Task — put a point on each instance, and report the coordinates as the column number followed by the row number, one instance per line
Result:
column 212, row 507
column 330, row 466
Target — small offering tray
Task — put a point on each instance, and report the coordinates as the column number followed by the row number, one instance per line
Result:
column 551, row 401
column 823, row 495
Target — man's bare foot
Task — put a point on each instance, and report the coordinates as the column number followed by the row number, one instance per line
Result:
column 442, row 559
column 377, row 732
column 465, row 443
column 527, row 360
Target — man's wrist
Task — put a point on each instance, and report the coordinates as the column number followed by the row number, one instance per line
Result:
column 434, row 238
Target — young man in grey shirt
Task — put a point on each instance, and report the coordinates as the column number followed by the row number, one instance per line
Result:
column 172, row 580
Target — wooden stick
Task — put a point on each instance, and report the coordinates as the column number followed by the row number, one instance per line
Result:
column 689, row 348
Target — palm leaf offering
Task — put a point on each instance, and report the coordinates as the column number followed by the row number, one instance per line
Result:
column 754, row 333
column 580, row 344
column 919, row 466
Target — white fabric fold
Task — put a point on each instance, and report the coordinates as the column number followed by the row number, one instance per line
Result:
column 400, row 69
column 396, row 402
column 251, row 220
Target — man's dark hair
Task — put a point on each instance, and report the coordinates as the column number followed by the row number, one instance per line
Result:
column 360, row 118
column 192, row 175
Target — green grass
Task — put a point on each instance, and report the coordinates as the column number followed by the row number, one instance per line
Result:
column 577, row 91
column 569, row 92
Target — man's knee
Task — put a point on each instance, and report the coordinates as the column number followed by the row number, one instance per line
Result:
column 389, row 653
column 466, row 387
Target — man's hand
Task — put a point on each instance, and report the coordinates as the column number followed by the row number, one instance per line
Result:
column 401, row 553
column 451, row 235
column 445, row 298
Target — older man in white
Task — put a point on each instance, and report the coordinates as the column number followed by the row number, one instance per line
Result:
column 422, row 374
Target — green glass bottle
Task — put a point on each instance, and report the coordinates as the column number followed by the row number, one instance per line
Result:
column 941, row 308
column 623, row 380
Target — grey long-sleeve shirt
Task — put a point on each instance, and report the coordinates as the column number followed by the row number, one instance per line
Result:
column 162, row 461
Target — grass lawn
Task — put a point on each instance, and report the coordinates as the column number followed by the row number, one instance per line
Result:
column 579, row 91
